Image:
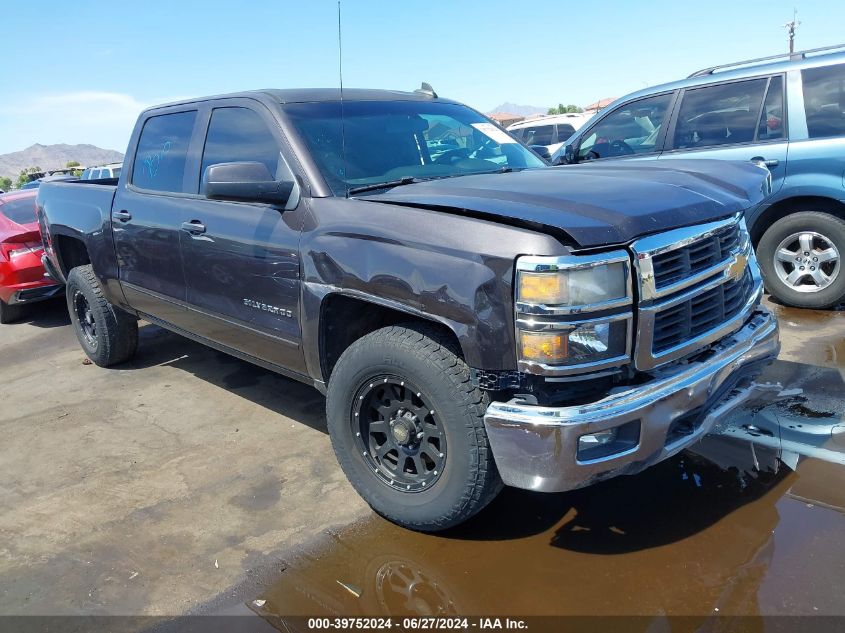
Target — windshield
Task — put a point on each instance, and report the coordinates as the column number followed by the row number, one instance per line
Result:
column 391, row 140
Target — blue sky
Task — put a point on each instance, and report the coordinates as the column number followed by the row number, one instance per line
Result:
column 79, row 72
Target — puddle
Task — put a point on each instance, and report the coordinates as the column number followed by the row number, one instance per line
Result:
column 687, row 537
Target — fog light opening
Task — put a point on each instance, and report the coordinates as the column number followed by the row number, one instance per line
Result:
column 609, row 442
column 596, row 439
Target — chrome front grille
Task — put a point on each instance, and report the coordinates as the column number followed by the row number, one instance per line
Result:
column 697, row 285
column 676, row 265
column 699, row 314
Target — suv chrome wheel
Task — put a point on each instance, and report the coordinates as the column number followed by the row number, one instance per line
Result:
column 807, row 261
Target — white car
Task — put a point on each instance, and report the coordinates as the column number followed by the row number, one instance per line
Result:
column 112, row 170
column 549, row 131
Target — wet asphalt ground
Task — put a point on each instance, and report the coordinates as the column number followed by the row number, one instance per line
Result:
column 728, row 529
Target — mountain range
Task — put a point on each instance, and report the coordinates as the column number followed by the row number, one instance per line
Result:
column 521, row 110
column 55, row 156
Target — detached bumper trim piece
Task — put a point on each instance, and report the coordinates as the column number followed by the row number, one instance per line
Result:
column 536, row 447
column 40, row 292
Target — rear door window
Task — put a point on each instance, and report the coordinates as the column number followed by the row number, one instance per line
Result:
column 824, row 100
column 20, row 211
column 724, row 114
column 162, row 152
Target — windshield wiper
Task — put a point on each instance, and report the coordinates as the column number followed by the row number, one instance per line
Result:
column 407, row 180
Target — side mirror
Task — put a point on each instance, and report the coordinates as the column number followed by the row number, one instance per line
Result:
column 245, row 182
column 567, row 156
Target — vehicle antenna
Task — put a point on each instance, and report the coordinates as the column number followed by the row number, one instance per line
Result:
column 790, row 28
column 340, row 73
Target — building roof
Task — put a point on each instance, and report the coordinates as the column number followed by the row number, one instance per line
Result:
column 600, row 104
column 505, row 115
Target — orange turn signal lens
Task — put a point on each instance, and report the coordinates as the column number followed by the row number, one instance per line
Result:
column 542, row 288
column 544, row 347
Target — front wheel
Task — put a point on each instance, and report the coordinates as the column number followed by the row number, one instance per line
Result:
column 107, row 334
column 801, row 259
column 407, row 427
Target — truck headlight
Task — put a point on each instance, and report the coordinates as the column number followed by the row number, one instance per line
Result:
column 556, row 334
column 587, row 283
column 577, row 343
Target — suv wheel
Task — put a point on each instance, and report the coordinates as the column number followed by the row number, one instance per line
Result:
column 107, row 334
column 407, row 427
column 801, row 257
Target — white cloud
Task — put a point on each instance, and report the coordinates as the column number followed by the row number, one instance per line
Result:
column 104, row 119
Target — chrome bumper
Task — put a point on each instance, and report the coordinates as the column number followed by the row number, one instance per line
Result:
column 536, row 447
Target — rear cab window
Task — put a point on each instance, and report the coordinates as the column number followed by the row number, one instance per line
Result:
column 162, row 152
column 824, row 100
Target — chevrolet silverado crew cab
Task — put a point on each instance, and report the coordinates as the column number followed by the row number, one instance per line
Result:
column 475, row 317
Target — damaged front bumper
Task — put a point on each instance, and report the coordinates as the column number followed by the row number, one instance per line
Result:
column 552, row 449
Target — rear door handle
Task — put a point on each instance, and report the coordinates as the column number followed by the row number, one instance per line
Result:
column 122, row 216
column 774, row 162
column 194, row 227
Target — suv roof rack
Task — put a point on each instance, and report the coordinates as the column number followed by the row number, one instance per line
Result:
column 749, row 62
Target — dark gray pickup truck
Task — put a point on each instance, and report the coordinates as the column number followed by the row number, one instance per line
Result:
column 475, row 317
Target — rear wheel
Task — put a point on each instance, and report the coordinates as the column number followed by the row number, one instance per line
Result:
column 801, row 257
column 107, row 334
column 407, row 427
column 9, row 313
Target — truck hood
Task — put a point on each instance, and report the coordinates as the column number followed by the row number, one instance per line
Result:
column 598, row 204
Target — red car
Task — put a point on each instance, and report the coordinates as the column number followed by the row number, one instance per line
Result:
column 22, row 279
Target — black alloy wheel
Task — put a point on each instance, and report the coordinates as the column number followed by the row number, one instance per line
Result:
column 399, row 434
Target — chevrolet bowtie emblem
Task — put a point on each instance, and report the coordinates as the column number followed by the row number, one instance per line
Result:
column 737, row 268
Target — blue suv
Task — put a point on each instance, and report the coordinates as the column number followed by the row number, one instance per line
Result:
column 785, row 112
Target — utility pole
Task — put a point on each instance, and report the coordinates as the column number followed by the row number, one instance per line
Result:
column 790, row 28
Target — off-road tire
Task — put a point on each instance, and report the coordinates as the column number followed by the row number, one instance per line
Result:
column 9, row 313
column 116, row 338
column 825, row 224
column 423, row 356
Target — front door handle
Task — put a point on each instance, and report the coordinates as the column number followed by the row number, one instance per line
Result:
column 774, row 162
column 194, row 227
column 122, row 216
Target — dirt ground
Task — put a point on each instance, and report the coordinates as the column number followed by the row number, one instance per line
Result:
column 192, row 482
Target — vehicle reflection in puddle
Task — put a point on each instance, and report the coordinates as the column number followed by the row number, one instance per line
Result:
column 808, row 420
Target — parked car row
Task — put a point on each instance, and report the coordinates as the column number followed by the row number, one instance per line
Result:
column 22, row 278
column 787, row 113
column 547, row 134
